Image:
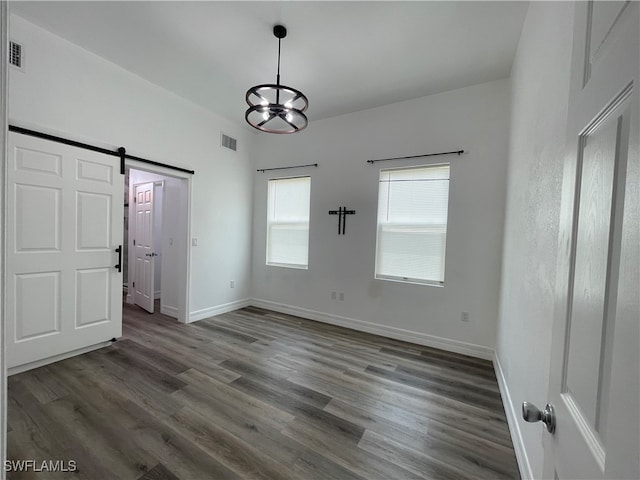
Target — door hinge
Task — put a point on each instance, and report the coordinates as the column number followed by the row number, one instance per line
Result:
column 134, row 241
column 134, row 284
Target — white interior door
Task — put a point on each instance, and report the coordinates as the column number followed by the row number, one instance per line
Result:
column 64, row 224
column 143, row 245
column 594, row 382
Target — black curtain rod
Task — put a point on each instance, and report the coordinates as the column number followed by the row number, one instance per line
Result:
column 114, row 153
column 458, row 152
column 285, row 168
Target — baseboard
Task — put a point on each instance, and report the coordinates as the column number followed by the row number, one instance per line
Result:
column 168, row 310
column 512, row 421
column 156, row 295
column 55, row 358
column 449, row 345
column 218, row 310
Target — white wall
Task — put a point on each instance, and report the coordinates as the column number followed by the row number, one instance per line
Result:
column 474, row 119
column 540, row 90
column 68, row 91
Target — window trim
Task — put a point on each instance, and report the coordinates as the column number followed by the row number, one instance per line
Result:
column 295, row 266
column 409, row 280
column 403, row 279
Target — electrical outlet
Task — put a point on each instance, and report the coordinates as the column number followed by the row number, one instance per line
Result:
column 232, row 284
column 341, row 296
column 194, row 242
column 334, row 295
column 465, row 317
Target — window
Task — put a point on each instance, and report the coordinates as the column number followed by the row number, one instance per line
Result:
column 412, row 224
column 288, row 222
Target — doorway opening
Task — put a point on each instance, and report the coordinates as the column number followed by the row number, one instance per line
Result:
column 156, row 233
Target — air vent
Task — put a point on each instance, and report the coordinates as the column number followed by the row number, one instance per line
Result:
column 15, row 55
column 228, row 142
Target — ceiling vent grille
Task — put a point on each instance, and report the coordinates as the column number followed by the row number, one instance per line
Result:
column 228, row 142
column 15, row 55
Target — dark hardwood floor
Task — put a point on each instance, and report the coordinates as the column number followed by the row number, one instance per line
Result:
column 256, row 394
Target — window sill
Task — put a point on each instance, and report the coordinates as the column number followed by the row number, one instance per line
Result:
column 287, row 265
column 412, row 281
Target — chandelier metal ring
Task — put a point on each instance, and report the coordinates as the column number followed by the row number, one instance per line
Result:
column 296, row 95
column 293, row 118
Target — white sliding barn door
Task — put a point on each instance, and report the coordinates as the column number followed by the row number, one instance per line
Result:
column 143, row 246
column 64, row 224
column 594, row 384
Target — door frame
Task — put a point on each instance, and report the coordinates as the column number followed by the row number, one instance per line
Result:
column 184, row 270
column 132, row 193
column 4, row 72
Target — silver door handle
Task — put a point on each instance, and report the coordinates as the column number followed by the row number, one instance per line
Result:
column 531, row 413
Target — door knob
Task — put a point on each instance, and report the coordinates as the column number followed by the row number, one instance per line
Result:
column 531, row 413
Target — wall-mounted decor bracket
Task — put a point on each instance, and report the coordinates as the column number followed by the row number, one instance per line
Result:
column 342, row 213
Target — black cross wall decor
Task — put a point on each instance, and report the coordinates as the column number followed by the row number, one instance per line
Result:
column 342, row 213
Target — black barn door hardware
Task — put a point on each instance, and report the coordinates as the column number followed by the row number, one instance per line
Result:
column 119, row 252
column 342, row 213
column 121, row 153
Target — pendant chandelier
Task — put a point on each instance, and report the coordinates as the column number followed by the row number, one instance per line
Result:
column 276, row 108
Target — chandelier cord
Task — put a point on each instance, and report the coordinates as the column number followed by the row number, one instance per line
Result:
column 278, row 74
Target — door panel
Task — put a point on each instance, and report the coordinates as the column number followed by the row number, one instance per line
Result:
column 95, row 171
column 93, row 294
column 600, row 179
column 39, row 209
column 589, row 321
column 36, row 161
column 64, row 222
column 42, row 317
column 595, row 365
column 604, row 20
column 94, row 221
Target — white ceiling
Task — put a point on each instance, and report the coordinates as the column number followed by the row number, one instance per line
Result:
column 345, row 56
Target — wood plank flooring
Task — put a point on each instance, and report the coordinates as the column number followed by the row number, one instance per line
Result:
column 260, row 395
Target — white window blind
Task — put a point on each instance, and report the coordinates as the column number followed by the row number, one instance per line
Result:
column 288, row 222
column 412, row 224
